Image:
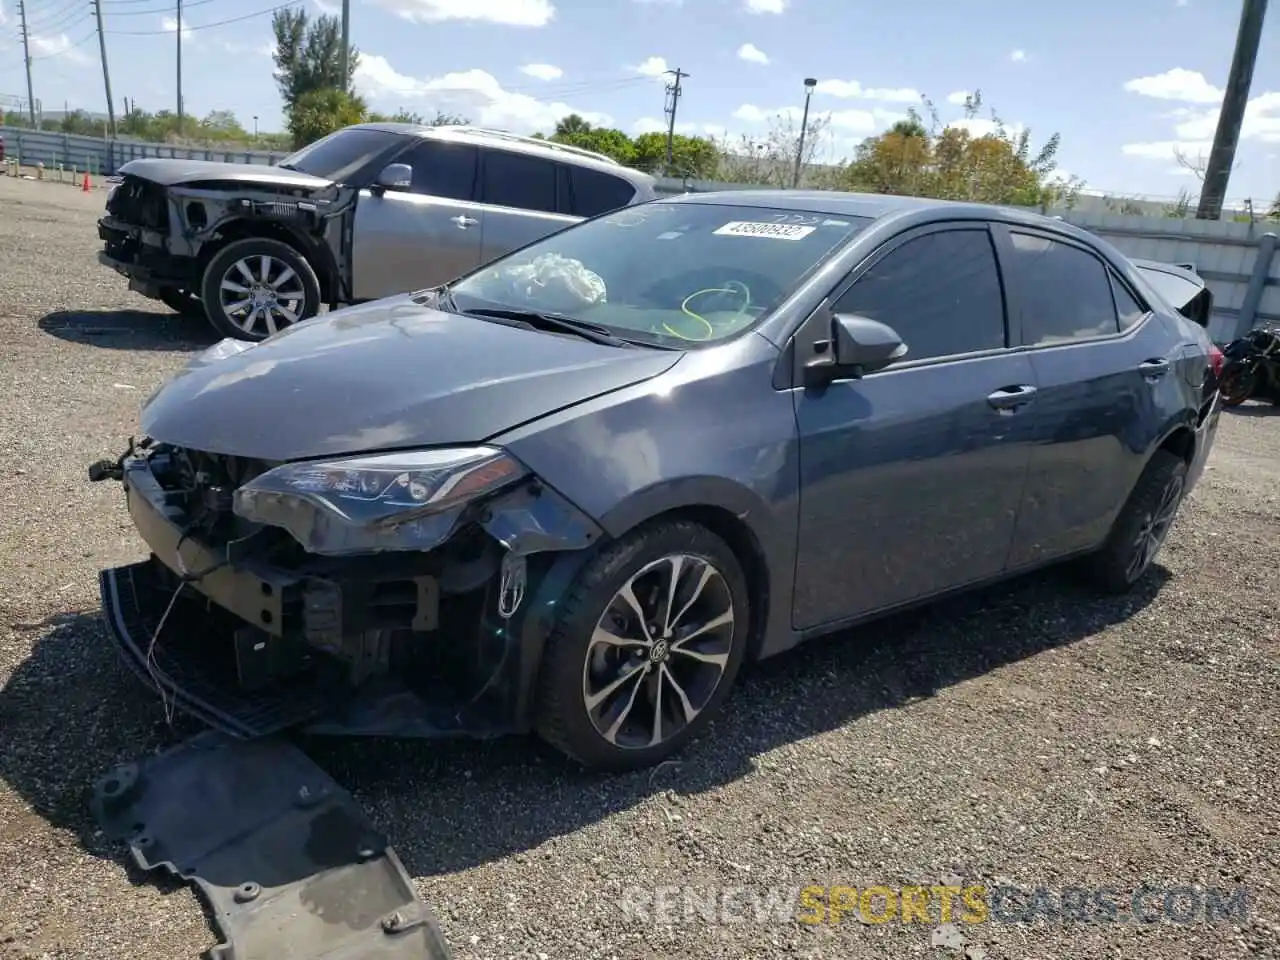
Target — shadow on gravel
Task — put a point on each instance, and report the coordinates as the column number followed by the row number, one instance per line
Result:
column 1255, row 410
column 69, row 712
column 129, row 329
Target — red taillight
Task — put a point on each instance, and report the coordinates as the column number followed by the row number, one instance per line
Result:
column 1215, row 360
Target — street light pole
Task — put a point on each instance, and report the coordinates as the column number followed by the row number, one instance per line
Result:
column 809, row 84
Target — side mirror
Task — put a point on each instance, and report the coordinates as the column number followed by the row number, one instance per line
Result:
column 858, row 346
column 395, row 176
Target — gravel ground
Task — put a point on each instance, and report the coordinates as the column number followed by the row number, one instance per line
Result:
column 1031, row 734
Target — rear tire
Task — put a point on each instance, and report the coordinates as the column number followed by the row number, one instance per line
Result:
column 1142, row 526
column 1237, row 386
column 255, row 287
column 621, row 692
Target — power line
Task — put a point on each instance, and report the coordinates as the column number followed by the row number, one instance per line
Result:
column 207, row 26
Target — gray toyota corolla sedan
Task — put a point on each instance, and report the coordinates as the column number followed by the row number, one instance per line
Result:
column 573, row 491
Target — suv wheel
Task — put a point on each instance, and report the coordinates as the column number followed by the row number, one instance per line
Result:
column 252, row 288
column 646, row 647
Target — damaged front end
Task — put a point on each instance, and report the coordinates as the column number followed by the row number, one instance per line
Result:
column 402, row 594
column 160, row 235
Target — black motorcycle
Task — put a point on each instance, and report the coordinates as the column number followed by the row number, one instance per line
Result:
column 1251, row 367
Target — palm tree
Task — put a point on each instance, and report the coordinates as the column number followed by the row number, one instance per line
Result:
column 570, row 125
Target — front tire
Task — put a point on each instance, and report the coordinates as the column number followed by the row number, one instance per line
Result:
column 1143, row 524
column 647, row 645
column 255, row 287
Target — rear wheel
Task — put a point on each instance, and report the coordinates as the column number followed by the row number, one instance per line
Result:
column 1140, row 530
column 647, row 645
column 255, row 287
column 1237, row 385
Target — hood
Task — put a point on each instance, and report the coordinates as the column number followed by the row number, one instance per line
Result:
column 168, row 172
column 387, row 375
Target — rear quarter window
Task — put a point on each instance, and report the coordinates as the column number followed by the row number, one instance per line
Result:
column 595, row 193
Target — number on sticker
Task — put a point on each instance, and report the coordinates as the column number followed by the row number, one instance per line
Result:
column 770, row 231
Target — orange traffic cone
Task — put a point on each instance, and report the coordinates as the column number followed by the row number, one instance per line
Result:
column 84, row 184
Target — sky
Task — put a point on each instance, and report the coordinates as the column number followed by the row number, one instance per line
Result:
column 1128, row 84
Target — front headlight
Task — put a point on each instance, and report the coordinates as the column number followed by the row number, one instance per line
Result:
column 394, row 501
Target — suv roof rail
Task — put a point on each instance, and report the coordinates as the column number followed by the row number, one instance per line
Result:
column 534, row 141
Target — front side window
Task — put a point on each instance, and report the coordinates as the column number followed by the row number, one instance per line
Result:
column 940, row 292
column 341, row 154
column 1065, row 291
column 518, row 180
column 673, row 272
column 442, row 169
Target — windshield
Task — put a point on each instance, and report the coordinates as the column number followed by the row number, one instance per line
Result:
column 663, row 272
column 340, row 154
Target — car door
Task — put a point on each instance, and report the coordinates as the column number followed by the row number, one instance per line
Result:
column 407, row 239
column 1102, row 364
column 911, row 477
column 519, row 192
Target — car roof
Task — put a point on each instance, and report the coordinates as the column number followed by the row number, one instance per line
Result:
column 516, row 143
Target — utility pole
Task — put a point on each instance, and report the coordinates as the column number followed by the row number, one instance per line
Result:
column 1222, row 157
column 106, row 75
column 673, row 101
column 346, row 45
column 809, row 84
column 26, row 56
column 179, row 35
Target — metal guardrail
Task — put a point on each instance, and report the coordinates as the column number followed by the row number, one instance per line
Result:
column 101, row 158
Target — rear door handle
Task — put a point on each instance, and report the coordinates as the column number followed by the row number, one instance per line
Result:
column 464, row 222
column 1153, row 368
column 1009, row 399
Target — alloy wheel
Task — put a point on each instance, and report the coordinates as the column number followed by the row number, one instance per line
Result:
column 1154, row 528
column 261, row 290
column 658, row 652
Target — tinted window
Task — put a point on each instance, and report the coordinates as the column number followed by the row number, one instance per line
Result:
column 446, row 170
column 940, row 292
column 1179, row 291
column 1127, row 308
column 595, row 193
column 676, row 272
column 1065, row 292
column 341, row 154
column 516, row 180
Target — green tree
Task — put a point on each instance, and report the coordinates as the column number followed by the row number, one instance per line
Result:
column 612, row 143
column 693, row 157
column 308, row 58
column 318, row 113
column 1274, row 212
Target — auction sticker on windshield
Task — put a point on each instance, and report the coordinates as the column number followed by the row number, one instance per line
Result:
column 771, row 231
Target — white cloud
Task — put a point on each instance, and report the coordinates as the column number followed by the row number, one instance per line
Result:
column 58, row 46
column 983, row 127
column 1018, row 56
column 651, row 67
column 171, row 25
column 1197, row 125
column 864, row 122
column 689, row 129
column 958, row 97
column 669, row 3
column 472, row 93
column 327, row 8
column 766, row 6
column 853, row 90
column 542, row 71
column 1189, row 86
column 511, row 13
column 1167, row 149
column 752, row 54
column 4, row 17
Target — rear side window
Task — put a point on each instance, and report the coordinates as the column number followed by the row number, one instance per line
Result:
column 595, row 193
column 940, row 292
column 1128, row 310
column 446, row 170
column 1065, row 292
column 517, row 180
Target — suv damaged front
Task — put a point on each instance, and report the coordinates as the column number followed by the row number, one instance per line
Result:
column 166, row 216
column 336, row 545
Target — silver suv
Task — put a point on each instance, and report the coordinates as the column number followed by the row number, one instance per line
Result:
column 369, row 211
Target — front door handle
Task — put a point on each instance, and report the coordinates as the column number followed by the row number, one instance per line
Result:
column 1010, row 399
column 464, row 222
column 1153, row 368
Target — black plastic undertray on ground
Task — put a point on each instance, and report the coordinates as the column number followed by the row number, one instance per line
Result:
column 288, row 863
